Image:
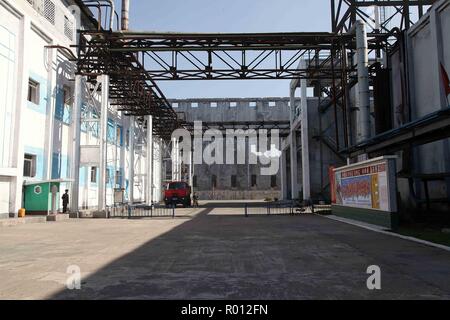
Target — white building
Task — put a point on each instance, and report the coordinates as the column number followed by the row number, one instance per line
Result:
column 36, row 102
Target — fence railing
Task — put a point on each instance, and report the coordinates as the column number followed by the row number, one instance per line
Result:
column 284, row 208
column 141, row 211
column 269, row 208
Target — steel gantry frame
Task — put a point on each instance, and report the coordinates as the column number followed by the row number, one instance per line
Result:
column 344, row 14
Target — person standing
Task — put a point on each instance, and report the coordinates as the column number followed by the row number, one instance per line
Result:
column 65, row 199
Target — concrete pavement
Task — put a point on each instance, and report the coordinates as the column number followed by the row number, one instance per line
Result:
column 216, row 253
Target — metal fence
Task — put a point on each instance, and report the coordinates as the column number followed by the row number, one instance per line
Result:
column 284, row 208
column 141, row 211
column 269, row 208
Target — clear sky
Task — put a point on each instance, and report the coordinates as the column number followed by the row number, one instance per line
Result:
column 228, row 16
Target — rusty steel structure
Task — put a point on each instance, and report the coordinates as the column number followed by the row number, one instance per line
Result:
column 136, row 61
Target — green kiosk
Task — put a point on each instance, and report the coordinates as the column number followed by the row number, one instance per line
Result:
column 43, row 197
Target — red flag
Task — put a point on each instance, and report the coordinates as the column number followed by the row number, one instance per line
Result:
column 445, row 80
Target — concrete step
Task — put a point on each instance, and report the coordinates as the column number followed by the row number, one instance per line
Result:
column 11, row 222
column 58, row 217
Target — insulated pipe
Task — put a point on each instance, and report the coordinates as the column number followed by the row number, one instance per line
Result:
column 363, row 80
column 125, row 15
column 113, row 10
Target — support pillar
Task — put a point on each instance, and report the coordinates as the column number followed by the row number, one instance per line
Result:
column 284, row 187
column 103, row 143
column 75, row 168
column 293, row 148
column 131, row 161
column 149, row 184
column 305, row 139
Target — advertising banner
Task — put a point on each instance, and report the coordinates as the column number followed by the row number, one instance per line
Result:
column 367, row 185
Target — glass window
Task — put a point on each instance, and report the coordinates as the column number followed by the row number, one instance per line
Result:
column 94, row 175
column 33, row 91
column 194, row 178
column 252, row 104
column 254, row 180
column 29, row 166
column 233, row 181
column 177, row 185
column 273, row 181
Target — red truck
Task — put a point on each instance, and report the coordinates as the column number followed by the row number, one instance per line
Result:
column 178, row 192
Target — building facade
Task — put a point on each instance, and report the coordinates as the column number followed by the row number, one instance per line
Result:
column 37, row 91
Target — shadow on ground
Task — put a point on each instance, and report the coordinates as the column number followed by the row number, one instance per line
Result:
column 216, row 256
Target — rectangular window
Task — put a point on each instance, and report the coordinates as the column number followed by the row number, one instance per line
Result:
column 194, row 104
column 272, row 104
column 67, row 96
column 108, row 176
column 175, row 105
column 213, row 104
column 118, row 178
column 94, row 175
column 252, row 104
column 119, row 137
column 29, row 166
column 233, row 181
column 273, row 181
column 254, row 181
column 33, row 91
column 194, row 182
column 214, row 181
column 233, row 104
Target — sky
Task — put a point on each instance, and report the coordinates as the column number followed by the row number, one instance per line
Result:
column 228, row 16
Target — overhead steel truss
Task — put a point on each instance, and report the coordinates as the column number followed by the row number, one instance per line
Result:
column 135, row 61
column 168, row 56
column 391, row 14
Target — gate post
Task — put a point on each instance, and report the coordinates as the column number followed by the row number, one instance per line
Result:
column 246, row 210
column 268, row 209
column 129, row 212
column 173, row 211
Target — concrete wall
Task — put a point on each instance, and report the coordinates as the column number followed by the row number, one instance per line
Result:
column 234, row 110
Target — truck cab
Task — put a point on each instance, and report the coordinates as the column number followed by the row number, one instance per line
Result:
column 177, row 192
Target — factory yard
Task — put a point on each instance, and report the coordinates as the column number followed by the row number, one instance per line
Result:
column 216, row 253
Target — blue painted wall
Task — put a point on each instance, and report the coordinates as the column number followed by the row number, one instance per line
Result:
column 60, row 166
column 63, row 113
